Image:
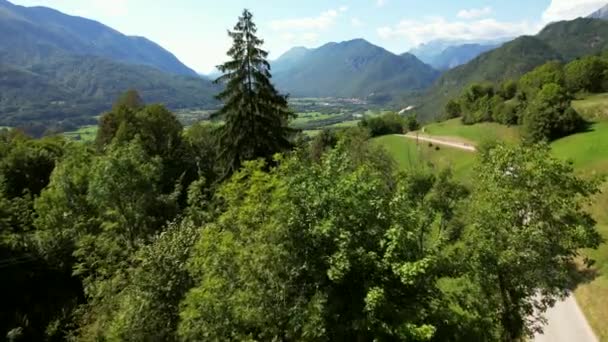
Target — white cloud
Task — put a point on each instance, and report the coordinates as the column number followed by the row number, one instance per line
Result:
column 320, row 22
column 570, row 9
column 356, row 22
column 416, row 32
column 475, row 13
column 380, row 3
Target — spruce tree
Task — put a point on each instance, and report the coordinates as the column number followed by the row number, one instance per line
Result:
column 256, row 115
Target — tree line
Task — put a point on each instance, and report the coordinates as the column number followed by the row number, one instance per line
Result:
column 242, row 231
column 540, row 101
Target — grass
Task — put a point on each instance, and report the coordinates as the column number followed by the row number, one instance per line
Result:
column 409, row 154
column 85, row 133
column 593, row 296
column 303, row 118
column 593, row 108
column 351, row 123
column 473, row 133
column 588, row 150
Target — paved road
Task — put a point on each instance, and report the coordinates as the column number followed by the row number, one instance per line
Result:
column 566, row 323
column 441, row 141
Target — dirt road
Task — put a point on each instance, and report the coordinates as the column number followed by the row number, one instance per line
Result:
column 441, row 141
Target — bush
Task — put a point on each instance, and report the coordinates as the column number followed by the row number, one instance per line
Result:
column 390, row 123
column 586, row 74
column 550, row 116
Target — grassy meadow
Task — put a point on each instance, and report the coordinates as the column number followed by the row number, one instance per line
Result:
column 85, row 133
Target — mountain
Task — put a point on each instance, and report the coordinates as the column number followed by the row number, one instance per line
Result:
column 73, row 90
column 354, row 68
column 289, row 59
column 601, row 13
column 448, row 54
column 563, row 41
column 33, row 34
column 454, row 56
column 62, row 70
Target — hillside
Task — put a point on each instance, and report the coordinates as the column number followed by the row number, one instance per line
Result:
column 34, row 34
column 74, row 89
column 353, row 68
column 563, row 41
column 61, row 71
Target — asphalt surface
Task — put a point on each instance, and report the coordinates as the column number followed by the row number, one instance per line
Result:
column 566, row 323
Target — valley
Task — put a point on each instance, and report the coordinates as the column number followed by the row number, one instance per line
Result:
column 365, row 172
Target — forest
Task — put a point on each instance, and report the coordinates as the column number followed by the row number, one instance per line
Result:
column 248, row 231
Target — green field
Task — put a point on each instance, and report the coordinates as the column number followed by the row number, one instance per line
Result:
column 303, row 118
column 85, row 133
column 588, row 150
column 345, row 124
column 409, row 154
column 594, row 107
column 473, row 133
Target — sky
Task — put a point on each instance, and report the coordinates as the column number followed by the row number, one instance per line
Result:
column 195, row 30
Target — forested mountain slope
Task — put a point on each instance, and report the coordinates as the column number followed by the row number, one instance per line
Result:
column 32, row 35
column 353, row 68
column 562, row 41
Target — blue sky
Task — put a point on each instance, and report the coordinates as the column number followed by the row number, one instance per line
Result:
column 195, row 30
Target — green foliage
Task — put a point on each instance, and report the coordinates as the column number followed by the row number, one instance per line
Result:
column 532, row 83
column 507, row 89
column 256, row 116
column 452, row 109
column 477, row 103
column 549, row 116
column 390, row 123
column 336, row 250
column 148, row 307
column 587, row 74
column 526, row 226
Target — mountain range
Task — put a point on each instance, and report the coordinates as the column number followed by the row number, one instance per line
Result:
column 62, row 70
column 448, row 54
column 562, row 41
column 354, row 68
column 32, row 34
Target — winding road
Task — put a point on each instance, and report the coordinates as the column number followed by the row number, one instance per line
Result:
column 565, row 321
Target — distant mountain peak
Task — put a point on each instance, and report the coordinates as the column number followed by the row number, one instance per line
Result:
column 41, row 31
column 601, row 13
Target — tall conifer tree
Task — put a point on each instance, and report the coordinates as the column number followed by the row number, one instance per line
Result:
column 256, row 115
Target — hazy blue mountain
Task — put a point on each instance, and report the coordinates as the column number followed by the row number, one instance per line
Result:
column 447, row 54
column 34, row 34
column 601, row 13
column 289, row 59
column 454, row 56
column 354, row 68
